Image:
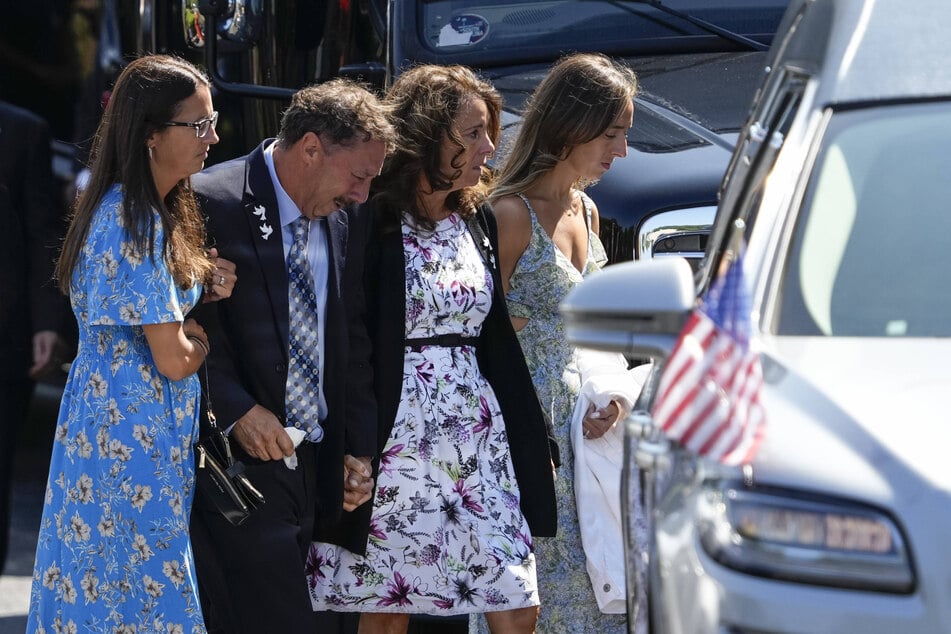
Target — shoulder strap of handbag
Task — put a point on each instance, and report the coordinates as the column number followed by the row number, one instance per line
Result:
column 480, row 235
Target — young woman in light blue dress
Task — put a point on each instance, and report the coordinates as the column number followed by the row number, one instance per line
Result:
column 113, row 553
column 574, row 126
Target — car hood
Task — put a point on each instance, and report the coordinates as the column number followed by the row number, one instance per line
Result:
column 683, row 101
column 860, row 417
column 688, row 112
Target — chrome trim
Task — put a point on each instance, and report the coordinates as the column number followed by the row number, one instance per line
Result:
column 676, row 222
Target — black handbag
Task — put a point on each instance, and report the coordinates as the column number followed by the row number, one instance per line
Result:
column 220, row 479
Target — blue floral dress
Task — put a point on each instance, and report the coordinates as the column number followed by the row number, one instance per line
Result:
column 542, row 277
column 447, row 535
column 113, row 553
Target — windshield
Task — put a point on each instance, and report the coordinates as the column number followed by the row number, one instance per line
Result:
column 525, row 31
column 872, row 247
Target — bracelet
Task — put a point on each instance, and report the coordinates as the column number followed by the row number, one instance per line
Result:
column 201, row 344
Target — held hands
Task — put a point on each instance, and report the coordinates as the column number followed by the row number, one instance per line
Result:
column 262, row 436
column 222, row 279
column 597, row 422
column 357, row 481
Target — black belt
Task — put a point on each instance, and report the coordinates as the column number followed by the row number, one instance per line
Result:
column 443, row 341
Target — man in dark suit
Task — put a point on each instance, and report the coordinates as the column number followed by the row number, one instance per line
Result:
column 332, row 142
column 33, row 313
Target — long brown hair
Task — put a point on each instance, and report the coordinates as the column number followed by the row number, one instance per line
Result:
column 425, row 101
column 576, row 102
column 149, row 91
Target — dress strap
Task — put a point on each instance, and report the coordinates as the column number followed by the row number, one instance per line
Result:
column 531, row 210
column 588, row 207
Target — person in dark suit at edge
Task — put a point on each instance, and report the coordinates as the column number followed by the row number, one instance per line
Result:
column 34, row 315
column 271, row 357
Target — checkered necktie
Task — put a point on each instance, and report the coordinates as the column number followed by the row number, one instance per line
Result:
column 303, row 369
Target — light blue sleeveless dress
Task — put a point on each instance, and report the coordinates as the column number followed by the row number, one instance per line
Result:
column 113, row 553
column 543, row 276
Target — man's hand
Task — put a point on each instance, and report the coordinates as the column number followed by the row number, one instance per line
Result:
column 261, row 435
column 47, row 347
column 357, row 481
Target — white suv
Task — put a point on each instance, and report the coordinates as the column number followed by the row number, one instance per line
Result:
column 837, row 203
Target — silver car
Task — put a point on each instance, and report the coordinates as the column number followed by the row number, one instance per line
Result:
column 838, row 203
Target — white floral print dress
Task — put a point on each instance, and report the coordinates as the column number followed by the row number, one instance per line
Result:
column 113, row 553
column 447, row 535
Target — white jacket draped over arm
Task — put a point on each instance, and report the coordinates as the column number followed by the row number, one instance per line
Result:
column 597, row 469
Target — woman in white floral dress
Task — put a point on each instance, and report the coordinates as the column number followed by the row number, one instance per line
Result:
column 574, row 126
column 113, row 553
column 465, row 472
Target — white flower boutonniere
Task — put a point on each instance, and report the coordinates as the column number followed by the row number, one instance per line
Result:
column 488, row 249
column 265, row 229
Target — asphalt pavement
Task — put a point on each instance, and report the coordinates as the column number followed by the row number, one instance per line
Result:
column 30, row 468
column 15, row 581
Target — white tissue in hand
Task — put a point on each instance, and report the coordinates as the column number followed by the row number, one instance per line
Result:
column 296, row 435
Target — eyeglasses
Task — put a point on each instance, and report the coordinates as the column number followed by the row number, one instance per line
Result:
column 202, row 128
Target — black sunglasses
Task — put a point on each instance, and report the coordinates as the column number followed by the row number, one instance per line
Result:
column 202, row 127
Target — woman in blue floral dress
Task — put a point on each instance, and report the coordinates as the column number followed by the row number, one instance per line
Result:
column 113, row 553
column 465, row 472
column 574, row 126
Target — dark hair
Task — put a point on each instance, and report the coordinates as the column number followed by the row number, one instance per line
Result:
column 339, row 111
column 425, row 102
column 149, row 91
column 576, row 102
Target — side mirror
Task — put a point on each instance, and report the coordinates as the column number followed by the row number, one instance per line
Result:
column 636, row 308
column 678, row 232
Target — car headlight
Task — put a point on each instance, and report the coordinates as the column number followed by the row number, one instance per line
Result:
column 783, row 535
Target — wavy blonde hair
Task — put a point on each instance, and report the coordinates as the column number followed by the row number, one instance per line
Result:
column 579, row 98
column 424, row 103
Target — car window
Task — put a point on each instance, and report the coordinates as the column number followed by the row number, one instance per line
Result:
column 759, row 146
column 871, row 251
column 523, row 29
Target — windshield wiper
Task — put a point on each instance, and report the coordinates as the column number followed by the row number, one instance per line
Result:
column 742, row 40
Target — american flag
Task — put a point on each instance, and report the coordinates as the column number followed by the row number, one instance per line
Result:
column 709, row 394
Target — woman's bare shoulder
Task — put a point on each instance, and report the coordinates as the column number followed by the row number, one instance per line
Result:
column 511, row 212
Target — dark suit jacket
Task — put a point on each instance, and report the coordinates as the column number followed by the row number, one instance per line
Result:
column 498, row 351
column 248, row 332
column 31, row 227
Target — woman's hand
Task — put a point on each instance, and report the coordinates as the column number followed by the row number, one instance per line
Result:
column 196, row 334
column 222, row 279
column 178, row 349
column 357, row 481
column 597, row 422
